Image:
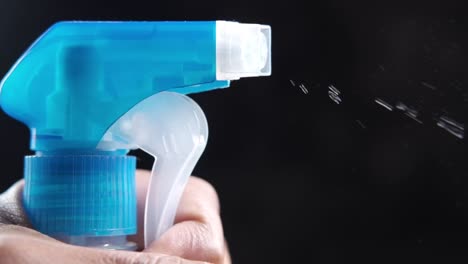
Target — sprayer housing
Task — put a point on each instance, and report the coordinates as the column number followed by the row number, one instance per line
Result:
column 83, row 89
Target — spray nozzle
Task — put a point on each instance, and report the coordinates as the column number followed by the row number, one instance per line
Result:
column 90, row 91
column 242, row 50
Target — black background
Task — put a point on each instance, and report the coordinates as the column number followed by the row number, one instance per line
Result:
column 300, row 177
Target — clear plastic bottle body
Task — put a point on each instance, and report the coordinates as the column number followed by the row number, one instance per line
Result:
column 101, row 242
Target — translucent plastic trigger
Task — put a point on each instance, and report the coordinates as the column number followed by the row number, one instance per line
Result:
column 172, row 128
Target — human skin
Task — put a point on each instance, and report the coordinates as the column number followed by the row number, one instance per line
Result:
column 196, row 237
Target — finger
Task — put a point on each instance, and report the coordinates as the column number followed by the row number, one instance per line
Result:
column 227, row 255
column 22, row 245
column 197, row 233
column 11, row 206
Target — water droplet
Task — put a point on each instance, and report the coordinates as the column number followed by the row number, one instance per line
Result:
column 401, row 106
column 360, row 123
column 430, row 86
column 334, row 94
column 409, row 112
column 334, row 89
column 384, row 104
column 303, row 88
column 451, row 126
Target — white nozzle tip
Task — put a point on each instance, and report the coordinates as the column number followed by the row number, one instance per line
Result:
column 242, row 50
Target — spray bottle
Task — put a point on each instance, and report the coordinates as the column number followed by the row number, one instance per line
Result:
column 92, row 91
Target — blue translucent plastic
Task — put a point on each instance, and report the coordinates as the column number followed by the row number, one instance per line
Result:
column 79, row 77
column 81, row 195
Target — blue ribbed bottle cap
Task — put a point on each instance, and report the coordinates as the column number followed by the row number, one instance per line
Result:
column 81, row 195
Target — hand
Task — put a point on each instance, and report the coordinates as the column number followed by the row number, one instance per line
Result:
column 197, row 235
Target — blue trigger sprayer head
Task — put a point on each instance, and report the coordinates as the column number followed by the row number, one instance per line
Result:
column 91, row 91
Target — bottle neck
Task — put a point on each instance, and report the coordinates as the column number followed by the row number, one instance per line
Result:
column 101, row 242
